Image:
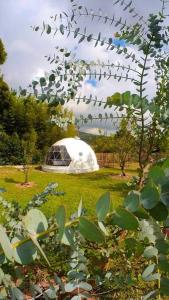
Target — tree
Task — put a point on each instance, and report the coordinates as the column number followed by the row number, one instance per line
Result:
column 125, row 144
column 11, row 152
column 29, row 146
column 3, row 53
column 22, row 115
column 147, row 39
column 103, row 144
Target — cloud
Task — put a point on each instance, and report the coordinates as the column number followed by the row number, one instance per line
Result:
column 21, row 46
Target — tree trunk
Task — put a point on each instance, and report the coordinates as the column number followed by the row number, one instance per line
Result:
column 122, row 165
column 26, row 169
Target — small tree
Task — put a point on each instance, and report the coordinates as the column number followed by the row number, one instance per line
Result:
column 29, row 145
column 124, row 143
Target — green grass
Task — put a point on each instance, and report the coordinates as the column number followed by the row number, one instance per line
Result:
column 86, row 186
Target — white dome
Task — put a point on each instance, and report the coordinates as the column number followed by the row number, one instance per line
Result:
column 70, row 155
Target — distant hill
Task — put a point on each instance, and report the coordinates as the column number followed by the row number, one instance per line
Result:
column 87, row 137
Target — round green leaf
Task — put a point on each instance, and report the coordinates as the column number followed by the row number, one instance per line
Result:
column 61, row 28
column 67, row 237
column 166, row 167
column 149, row 197
column 165, row 193
column 5, row 243
column 35, row 221
column 132, row 201
column 103, row 207
column 148, row 271
column 25, row 253
column 90, row 231
column 17, row 294
column 85, row 286
column 142, row 213
column 164, row 286
column 61, row 218
column 156, row 174
column 150, row 252
column 163, row 264
column 159, row 212
column 52, row 77
column 48, row 29
column 2, row 257
column 42, row 81
column 162, row 246
column 125, row 219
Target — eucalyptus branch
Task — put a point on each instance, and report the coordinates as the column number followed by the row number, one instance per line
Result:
column 142, row 112
column 102, row 42
column 131, row 10
column 111, row 65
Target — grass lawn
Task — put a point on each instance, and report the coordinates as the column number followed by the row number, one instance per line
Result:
column 86, row 186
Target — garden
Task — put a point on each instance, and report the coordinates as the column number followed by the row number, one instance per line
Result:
column 78, row 234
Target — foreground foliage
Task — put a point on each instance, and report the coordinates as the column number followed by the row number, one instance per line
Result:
column 136, row 231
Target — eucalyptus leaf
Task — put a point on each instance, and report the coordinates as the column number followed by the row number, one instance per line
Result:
column 125, row 219
column 52, row 77
column 164, row 286
column 159, row 212
column 17, row 294
column 163, row 264
column 150, row 252
column 148, row 271
column 42, row 81
column 61, row 29
column 156, row 174
column 5, row 243
column 103, row 206
column 67, row 237
column 151, row 295
column 90, row 231
column 165, row 193
column 162, row 246
column 61, row 219
column 35, row 221
column 132, row 201
column 48, row 29
column 149, row 197
column 25, row 253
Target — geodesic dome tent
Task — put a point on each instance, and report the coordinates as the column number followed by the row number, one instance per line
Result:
column 70, row 155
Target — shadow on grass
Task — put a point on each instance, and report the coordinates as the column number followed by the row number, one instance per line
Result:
column 95, row 176
column 11, row 180
column 120, row 187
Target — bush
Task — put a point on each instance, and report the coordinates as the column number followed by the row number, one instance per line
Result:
column 11, row 151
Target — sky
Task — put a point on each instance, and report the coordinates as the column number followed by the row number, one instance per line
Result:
column 26, row 49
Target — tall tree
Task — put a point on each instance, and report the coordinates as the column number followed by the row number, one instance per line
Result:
column 3, row 53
